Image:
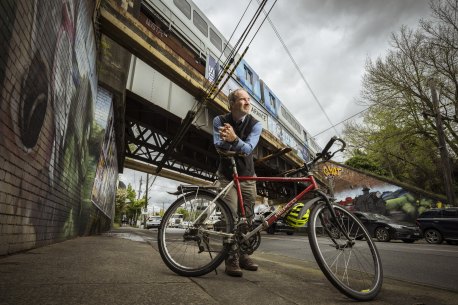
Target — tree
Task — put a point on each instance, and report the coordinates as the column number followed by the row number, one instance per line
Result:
column 398, row 131
column 361, row 160
column 120, row 206
column 127, row 204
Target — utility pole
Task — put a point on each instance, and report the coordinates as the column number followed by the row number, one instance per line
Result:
column 445, row 161
column 146, row 200
column 138, row 198
column 140, row 188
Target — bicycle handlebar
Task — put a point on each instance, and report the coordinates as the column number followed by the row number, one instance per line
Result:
column 323, row 155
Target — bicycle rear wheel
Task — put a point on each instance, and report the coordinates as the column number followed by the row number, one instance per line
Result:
column 352, row 265
column 194, row 248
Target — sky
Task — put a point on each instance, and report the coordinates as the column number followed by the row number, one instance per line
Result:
column 330, row 40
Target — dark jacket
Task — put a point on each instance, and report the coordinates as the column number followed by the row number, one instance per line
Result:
column 245, row 164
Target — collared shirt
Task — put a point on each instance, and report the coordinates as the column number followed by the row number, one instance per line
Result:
column 245, row 147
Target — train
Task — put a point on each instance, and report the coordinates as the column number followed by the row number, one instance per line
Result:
column 185, row 28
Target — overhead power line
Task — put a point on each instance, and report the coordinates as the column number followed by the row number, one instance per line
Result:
column 343, row 121
column 300, row 72
column 235, row 50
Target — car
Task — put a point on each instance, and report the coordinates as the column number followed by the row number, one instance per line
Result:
column 385, row 229
column 153, row 222
column 438, row 225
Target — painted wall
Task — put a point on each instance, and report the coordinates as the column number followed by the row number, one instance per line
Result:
column 357, row 191
column 54, row 125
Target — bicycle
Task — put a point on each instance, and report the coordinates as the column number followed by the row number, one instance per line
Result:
column 340, row 243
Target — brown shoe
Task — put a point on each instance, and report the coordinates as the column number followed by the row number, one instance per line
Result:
column 232, row 266
column 247, row 263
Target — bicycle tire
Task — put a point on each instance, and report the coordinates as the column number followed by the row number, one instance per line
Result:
column 354, row 267
column 187, row 250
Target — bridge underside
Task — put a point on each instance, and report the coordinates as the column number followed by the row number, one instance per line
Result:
column 157, row 140
column 149, row 131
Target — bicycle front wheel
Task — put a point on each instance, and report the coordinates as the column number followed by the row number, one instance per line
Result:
column 193, row 235
column 351, row 264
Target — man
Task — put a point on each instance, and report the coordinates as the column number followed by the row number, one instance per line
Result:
column 238, row 131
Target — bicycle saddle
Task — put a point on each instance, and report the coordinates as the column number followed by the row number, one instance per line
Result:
column 229, row 153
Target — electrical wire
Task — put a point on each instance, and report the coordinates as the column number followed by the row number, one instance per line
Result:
column 229, row 40
column 343, row 121
column 300, row 72
column 247, row 30
column 236, row 49
column 266, row 17
column 199, row 105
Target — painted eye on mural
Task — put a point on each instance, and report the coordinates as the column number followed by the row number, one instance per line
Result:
column 33, row 102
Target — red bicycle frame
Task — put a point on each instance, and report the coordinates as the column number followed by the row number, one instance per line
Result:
column 274, row 217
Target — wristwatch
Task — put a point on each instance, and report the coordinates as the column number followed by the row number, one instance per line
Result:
column 235, row 142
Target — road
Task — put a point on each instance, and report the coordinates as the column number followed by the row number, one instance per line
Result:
column 420, row 262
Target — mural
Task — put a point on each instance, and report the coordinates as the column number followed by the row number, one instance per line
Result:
column 361, row 192
column 49, row 145
column 106, row 177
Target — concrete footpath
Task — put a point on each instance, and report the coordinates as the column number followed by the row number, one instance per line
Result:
column 124, row 267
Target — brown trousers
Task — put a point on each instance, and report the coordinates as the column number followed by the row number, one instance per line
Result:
column 248, row 189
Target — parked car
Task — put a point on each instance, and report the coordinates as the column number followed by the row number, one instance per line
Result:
column 153, row 222
column 385, row 229
column 438, row 225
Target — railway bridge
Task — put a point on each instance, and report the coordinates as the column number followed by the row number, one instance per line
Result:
column 86, row 90
column 157, row 97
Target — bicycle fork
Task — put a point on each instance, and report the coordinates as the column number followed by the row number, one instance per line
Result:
column 350, row 242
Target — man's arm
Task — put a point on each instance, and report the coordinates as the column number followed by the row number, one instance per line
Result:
column 217, row 141
column 250, row 143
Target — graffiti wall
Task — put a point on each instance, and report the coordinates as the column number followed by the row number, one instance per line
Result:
column 106, row 177
column 357, row 191
column 51, row 131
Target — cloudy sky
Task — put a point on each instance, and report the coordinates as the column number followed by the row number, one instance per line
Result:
column 330, row 40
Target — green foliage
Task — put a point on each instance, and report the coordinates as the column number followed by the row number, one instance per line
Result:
column 398, row 135
column 184, row 212
column 127, row 204
column 364, row 162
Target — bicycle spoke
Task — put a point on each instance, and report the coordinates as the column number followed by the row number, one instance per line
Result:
column 353, row 266
column 195, row 248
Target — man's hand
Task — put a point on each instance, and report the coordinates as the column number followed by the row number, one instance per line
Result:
column 227, row 133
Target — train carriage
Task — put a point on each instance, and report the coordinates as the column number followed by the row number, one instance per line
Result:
column 205, row 45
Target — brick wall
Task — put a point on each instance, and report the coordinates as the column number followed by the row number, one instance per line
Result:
column 56, row 133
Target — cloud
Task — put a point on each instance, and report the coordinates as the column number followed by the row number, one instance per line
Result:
column 158, row 192
column 330, row 40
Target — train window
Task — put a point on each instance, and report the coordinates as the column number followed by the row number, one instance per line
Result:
column 215, row 39
column 184, row 7
column 272, row 101
column 248, row 75
column 200, row 23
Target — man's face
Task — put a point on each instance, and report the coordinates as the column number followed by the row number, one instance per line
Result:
column 242, row 104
